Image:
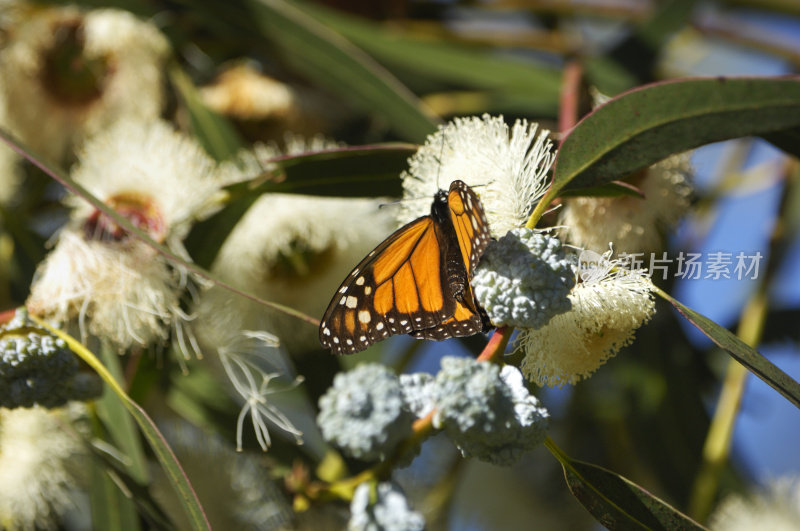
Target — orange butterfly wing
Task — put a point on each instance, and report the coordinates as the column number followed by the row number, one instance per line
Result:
column 416, row 281
column 473, row 236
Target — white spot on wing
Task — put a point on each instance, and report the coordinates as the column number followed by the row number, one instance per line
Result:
column 364, row 316
column 351, row 302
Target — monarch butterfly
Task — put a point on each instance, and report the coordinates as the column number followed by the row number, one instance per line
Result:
column 416, row 282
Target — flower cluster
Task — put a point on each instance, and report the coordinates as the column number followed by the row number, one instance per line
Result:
column 389, row 512
column 41, row 463
column 80, row 72
column 38, row 368
column 523, row 279
column 569, row 326
column 487, row 412
column 364, row 414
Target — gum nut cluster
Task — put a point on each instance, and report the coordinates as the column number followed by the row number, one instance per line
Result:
column 364, row 413
column 38, row 368
column 523, row 279
column 390, row 512
column 486, row 411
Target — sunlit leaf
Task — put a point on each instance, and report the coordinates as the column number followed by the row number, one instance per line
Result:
column 645, row 125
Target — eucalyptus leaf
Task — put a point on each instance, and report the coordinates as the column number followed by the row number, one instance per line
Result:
column 618, row 503
column 467, row 65
column 356, row 171
column 647, row 124
column 742, row 352
column 330, row 60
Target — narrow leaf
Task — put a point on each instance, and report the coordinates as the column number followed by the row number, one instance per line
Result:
column 330, row 60
column 120, row 426
column 618, row 503
column 645, row 125
column 163, row 452
column 469, row 66
column 742, row 352
column 357, row 171
column 214, row 132
column 610, row 189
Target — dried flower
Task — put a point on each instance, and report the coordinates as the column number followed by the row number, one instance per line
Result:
column 79, row 72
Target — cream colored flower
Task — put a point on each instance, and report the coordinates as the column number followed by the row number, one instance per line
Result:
column 37, row 466
column 507, row 167
column 10, row 170
column 113, row 284
column 609, row 303
column 776, row 508
column 265, row 107
column 633, row 224
column 70, row 74
column 295, row 250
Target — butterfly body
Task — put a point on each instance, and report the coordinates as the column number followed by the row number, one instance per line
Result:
column 416, row 282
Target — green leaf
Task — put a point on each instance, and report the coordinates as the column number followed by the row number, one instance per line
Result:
column 610, row 189
column 618, row 503
column 163, row 452
column 358, row 171
column 214, row 132
column 110, row 509
column 645, row 125
column 469, row 66
column 109, row 472
column 742, row 352
column 330, row 60
column 120, row 426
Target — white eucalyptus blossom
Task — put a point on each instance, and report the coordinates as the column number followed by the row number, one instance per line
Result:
column 507, row 167
column 79, row 72
column 633, row 223
column 295, row 249
column 39, row 461
column 776, row 507
column 609, row 302
column 110, row 282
